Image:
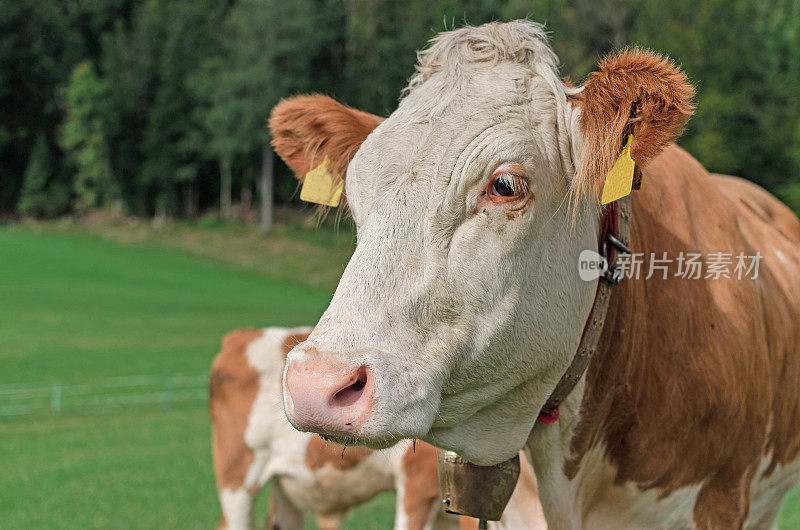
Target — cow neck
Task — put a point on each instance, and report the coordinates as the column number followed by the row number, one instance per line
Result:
column 614, row 240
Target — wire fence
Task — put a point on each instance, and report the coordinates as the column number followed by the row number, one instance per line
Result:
column 19, row 399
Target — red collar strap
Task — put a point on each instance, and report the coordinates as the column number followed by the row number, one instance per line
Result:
column 615, row 239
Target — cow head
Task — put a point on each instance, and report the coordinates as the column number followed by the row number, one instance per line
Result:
column 462, row 306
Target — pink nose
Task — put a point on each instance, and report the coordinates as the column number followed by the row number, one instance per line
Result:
column 326, row 397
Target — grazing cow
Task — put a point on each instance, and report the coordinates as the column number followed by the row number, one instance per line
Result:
column 254, row 443
column 462, row 308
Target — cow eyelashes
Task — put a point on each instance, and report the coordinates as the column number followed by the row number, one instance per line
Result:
column 506, row 186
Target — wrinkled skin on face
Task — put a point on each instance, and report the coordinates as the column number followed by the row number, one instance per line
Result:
column 440, row 295
column 464, row 302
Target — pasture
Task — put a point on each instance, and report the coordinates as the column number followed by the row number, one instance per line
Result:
column 80, row 305
column 78, row 308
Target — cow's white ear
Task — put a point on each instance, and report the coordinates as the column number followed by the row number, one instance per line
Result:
column 632, row 92
column 572, row 118
column 308, row 129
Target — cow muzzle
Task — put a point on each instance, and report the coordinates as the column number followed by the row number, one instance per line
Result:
column 328, row 397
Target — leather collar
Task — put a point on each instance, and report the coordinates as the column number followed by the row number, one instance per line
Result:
column 615, row 237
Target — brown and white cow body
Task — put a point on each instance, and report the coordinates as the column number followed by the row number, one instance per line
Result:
column 462, row 306
column 254, row 443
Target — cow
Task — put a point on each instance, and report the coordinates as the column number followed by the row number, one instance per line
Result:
column 252, row 442
column 462, row 308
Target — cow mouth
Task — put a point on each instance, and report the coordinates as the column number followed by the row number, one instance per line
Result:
column 341, row 440
column 346, row 439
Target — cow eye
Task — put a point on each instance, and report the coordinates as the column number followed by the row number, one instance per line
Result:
column 506, row 185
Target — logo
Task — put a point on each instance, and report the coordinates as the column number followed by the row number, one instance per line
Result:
column 686, row 265
column 591, row 265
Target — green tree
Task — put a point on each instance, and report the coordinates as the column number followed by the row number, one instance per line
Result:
column 173, row 147
column 169, row 101
column 127, row 65
column 268, row 51
column 745, row 58
column 82, row 138
column 40, row 43
column 42, row 195
column 38, row 47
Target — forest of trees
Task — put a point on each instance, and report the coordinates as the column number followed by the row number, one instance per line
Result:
column 158, row 107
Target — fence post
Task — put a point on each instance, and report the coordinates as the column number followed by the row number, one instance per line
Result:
column 55, row 398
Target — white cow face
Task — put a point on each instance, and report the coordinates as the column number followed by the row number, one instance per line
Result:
column 461, row 306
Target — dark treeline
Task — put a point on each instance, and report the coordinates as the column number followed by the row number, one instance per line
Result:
column 159, row 107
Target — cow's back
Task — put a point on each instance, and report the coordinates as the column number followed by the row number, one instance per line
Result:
column 695, row 383
column 768, row 210
column 773, row 230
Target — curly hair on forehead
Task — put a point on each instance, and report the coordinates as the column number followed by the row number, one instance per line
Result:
column 458, row 51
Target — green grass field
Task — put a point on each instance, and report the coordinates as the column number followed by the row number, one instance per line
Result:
column 78, row 308
column 82, row 304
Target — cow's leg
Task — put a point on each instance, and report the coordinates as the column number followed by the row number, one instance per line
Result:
column 724, row 500
column 417, row 483
column 237, row 508
column 236, row 467
column 238, row 485
column 769, row 492
column 417, row 509
column 283, row 513
column 237, row 472
column 232, row 389
column 331, row 521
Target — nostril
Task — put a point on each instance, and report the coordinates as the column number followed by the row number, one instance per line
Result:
column 352, row 392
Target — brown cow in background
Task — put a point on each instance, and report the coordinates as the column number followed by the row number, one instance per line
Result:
column 253, row 443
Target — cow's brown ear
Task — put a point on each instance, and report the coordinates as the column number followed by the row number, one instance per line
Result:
column 306, row 129
column 632, row 92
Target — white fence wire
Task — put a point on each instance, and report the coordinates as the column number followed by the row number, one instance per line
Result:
column 17, row 399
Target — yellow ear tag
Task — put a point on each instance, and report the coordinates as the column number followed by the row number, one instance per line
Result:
column 322, row 186
column 619, row 181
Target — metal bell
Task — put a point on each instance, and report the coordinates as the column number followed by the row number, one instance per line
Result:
column 476, row 491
